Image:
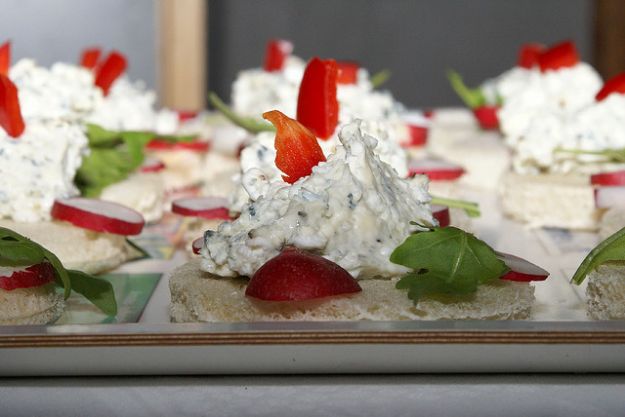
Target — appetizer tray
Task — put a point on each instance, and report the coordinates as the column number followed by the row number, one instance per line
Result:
column 559, row 338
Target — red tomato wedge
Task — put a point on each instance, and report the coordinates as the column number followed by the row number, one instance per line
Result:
column 529, row 54
column 521, row 270
column 113, row 66
column 562, row 55
column 211, row 208
column 10, row 112
column 317, row 105
column 608, row 178
column 197, row 245
column 5, row 58
column 197, row 145
column 613, row 85
column 276, row 54
column 297, row 149
column 435, row 169
column 295, row 275
column 98, row 216
column 441, row 213
column 487, row 117
column 12, row 278
column 348, row 72
column 90, row 57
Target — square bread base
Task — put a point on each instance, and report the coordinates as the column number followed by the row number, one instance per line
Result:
column 605, row 293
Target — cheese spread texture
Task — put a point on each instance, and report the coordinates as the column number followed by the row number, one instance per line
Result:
column 353, row 209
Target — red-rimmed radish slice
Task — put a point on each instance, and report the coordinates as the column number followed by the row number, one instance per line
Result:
column 521, row 270
column 211, row 208
column 98, row 216
column 12, row 278
column 348, row 72
column 5, row 58
column 196, row 145
column 428, row 113
column 295, row 275
column 184, row 115
column 486, row 116
column 606, row 197
column 608, row 178
column 152, row 165
column 197, row 245
column 435, row 169
column 441, row 213
column 276, row 54
column 418, row 128
column 90, row 57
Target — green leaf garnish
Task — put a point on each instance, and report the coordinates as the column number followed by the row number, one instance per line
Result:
column 610, row 250
column 380, row 78
column 98, row 291
column 250, row 124
column 610, row 155
column 472, row 97
column 446, row 261
column 25, row 252
column 472, row 209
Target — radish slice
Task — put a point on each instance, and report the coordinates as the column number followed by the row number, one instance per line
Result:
column 441, row 213
column 606, row 197
column 435, row 169
column 98, row 215
column 12, row 278
column 211, row 208
column 487, row 117
column 184, row 115
column 197, row 145
column 608, row 178
column 197, row 245
column 521, row 270
column 418, row 127
column 152, row 165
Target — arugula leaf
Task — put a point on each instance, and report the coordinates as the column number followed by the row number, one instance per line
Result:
column 446, row 261
column 97, row 290
column 250, row 124
column 472, row 97
column 15, row 253
column 610, row 250
column 472, row 209
column 380, row 78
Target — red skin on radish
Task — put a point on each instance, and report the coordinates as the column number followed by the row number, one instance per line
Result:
column 197, row 245
column 441, row 213
column 295, row 275
column 153, row 165
column 184, row 115
column 197, row 145
column 521, row 270
column 487, row 117
column 608, row 178
column 210, row 208
column 418, row 135
column 436, row 170
column 98, row 216
column 28, row 277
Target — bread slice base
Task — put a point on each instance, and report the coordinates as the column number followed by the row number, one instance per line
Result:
column 605, row 293
column 198, row 296
column 565, row 201
column 37, row 305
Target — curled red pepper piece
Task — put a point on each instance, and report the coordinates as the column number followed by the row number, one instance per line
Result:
column 276, row 54
column 348, row 72
column 89, row 58
column 613, row 85
column 317, row 105
column 297, row 149
column 113, row 66
column 529, row 55
column 562, row 55
column 10, row 113
column 5, row 58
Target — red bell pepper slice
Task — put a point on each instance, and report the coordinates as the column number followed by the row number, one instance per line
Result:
column 487, row 117
column 10, row 113
column 113, row 66
column 529, row 54
column 5, row 58
column 562, row 55
column 317, row 105
column 613, row 85
column 89, row 58
column 297, row 149
column 348, row 72
column 276, row 54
